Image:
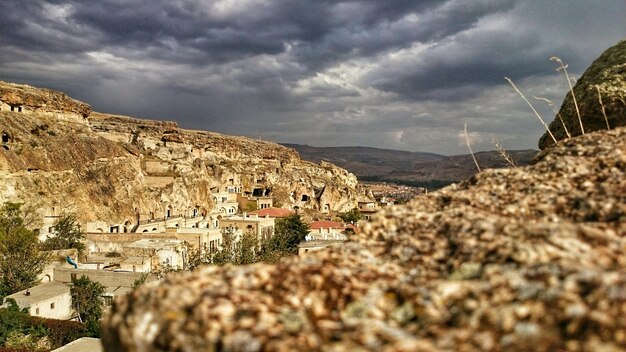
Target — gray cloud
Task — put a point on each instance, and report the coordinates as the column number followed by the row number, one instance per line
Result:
column 395, row 73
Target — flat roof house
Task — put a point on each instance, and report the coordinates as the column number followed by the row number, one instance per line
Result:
column 48, row 300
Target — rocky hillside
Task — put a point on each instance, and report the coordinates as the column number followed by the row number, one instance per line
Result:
column 40, row 100
column 510, row 260
column 608, row 74
column 57, row 156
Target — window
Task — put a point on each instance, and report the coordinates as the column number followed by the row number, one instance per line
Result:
column 37, row 311
column 52, row 305
column 108, row 301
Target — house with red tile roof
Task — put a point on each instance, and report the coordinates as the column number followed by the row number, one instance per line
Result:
column 325, row 224
column 325, row 230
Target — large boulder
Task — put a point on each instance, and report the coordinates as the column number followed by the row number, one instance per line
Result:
column 609, row 73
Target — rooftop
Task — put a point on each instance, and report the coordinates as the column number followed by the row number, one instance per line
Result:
column 315, row 225
column 40, row 292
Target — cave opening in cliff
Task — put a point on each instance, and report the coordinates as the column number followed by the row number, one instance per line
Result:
column 6, row 138
column 305, row 198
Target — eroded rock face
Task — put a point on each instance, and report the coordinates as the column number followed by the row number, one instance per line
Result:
column 42, row 101
column 608, row 72
column 509, row 260
column 113, row 168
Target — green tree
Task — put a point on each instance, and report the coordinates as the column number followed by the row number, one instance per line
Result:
column 21, row 260
column 288, row 234
column 352, row 216
column 246, row 249
column 197, row 257
column 67, row 234
column 88, row 302
column 226, row 254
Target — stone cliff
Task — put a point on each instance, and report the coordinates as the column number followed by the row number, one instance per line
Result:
column 27, row 99
column 57, row 156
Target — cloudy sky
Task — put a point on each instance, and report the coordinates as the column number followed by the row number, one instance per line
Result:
column 400, row 74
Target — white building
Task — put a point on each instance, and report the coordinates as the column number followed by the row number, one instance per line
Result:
column 48, row 300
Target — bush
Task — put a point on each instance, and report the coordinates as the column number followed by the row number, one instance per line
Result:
column 12, row 349
column 22, row 332
column 11, row 320
column 60, row 332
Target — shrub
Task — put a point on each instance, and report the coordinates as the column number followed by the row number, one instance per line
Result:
column 22, row 332
column 60, row 332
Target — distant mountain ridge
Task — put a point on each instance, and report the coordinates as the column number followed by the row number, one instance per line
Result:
column 365, row 161
column 415, row 168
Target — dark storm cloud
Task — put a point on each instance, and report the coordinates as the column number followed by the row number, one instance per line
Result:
column 203, row 32
column 466, row 64
column 396, row 73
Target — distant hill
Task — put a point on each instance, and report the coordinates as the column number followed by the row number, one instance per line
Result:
column 460, row 167
column 412, row 168
column 365, row 161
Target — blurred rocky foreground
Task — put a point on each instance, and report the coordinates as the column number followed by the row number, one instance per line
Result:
column 513, row 259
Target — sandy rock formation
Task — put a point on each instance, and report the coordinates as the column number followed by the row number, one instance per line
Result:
column 608, row 72
column 509, row 260
column 117, row 169
column 42, row 101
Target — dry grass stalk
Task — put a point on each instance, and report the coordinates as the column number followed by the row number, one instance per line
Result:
column 602, row 106
column 551, row 104
column 571, row 89
column 467, row 140
column 532, row 107
column 504, row 153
